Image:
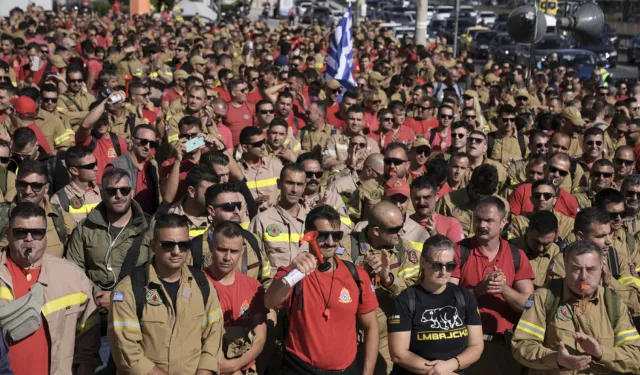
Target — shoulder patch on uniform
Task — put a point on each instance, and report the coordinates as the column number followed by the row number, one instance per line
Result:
column 375, row 194
column 117, row 297
column 340, row 250
column 76, row 202
column 364, row 247
column 153, row 297
column 529, row 303
column 413, row 258
column 207, row 259
column 273, row 230
column 550, row 268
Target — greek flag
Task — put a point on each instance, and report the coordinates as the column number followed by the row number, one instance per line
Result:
column 340, row 62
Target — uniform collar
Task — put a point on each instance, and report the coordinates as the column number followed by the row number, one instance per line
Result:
column 152, row 275
column 77, row 191
column 569, row 296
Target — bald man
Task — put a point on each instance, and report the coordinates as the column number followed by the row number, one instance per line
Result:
column 624, row 164
column 373, row 168
column 574, row 183
column 391, row 262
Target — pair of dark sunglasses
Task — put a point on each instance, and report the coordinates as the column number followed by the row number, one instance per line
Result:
column 229, row 206
column 323, row 236
column 394, row 161
column 88, row 167
column 144, row 142
column 602, row 174
column 624, row 162
column 21, row 233
column 546, row 196
column 113, row 191
column 257, row 144
column 437, row 266
column 168, row 246
column 50, row 100
column 561, row 172
column 35, row 186
column 317, row 175
column 615, row 215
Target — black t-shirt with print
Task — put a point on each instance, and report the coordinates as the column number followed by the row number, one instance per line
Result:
column 438, row 329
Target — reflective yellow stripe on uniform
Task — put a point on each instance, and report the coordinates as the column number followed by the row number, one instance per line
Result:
column 416, row 245
column 172, row 138
column 245, row 224
column 346, row 221
column 531, row 328
column 624, row 336
column 296, row 147
column 629, row 280
column 409, row 272
column 63, row 138
column 130, row 325
column 213, row 316
column 153, row 75
column 64, row 302
column 85, row 209
column 5, row 293
column 169, row 73
column 283, row 237
column 262, row 183
column 265, row 271
column 90, row 322
column 196, row 232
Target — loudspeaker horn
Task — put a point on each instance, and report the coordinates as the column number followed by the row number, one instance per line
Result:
column 526, row 24
column 586, row 24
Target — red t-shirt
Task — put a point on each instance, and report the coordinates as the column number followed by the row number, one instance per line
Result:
column 421, row 127
column 223, row 94
column 520, row 202
column 31, row 355
column 25, row 73
column 371, row 124
column 104, row 152
column 94, row 66
column 405, row 135
column 169, row 95
column 42, row 140
column 443, row 190
column 240, row 301
column 254, row 95
column 336, row 120
column 185, row 167
column 240, row 118
column 327, row 344
column 435, row 140
column 497, row 316
column 447, row 226
column 295, row 123
column 144, row 195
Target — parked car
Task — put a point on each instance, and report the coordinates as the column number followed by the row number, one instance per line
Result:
column 549, row 43
column 604, row 48
column 488, row 18
column 582, row 60
column 503, row 48
column 633, row 53
column 500, row 27
column 319, row 15
column 480, row 44
column 303, row 6
column 443, row 12
column 468, row 35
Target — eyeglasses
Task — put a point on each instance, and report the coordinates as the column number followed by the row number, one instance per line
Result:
column 541, row 145
column 4, row 159
column 473, row 140
column 393, row 230
column 476, row 87
column 615, row 215
column 50, row 100
column 254, row 79
column 257, row 144
column 446, row 117
column 229, row 206
column 387, row 119
column 314, row 174
column 143, row 142
column 633, row 194
column 76, row 80
column 394, row 161
column 323, row 236
column 398, row 198
column 124, row 190
column 183, row 246
column 437, row 266
column 470, row 117
column 545, row 196
column 267, row 111
column 624, row 162
column 424, row 150
column 508, row 119
column 458, row 135
column 35, row 186
column 188, row 136
column 89, row 166
column 522, row 98
column 376, row 102
column 592, row 143
column 244, row 90
column 21, row 233
column 360, row 145
column 555, row 170
column 336, row 91
column 597, row 174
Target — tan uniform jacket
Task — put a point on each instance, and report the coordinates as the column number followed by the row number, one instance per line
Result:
column 264, row 179
column 54, row 130
column 178, row 339
column 539, row 262
column 79, row 102
column 345, row 186
column 611, row 145
column 315, row 140
column 535, row 344
column 507, row 149
column 519, row 225
column 280, row 234
column 501, row 168
column 334, row 200
column 517, row 173
column 72, row 322
column 459, row 205
column 337, row 148
column 414, row 233
column 81, row 202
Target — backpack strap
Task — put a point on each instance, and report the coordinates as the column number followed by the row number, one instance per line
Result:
column 554, row 294
column 58, row 223
column 432, row 136
column 131, row 124
column 116, row 143
column 131, row 258
column 3, row 179
column 354, row 273
column 465, row 249
column 253, row 242
column 138, row 282
column 202, row 282
column 355, row 248
column 296, row 122
column 153, row 175
column 491, row 140
column 460, row 300
column 523, row 144
column 614, row 267
column 515, row 254
column 63, row 199
column 631, row 242
column 612, row 304
column 93, row 143
column 196, row 251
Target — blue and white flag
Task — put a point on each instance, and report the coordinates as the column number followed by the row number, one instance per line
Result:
column 340, row 61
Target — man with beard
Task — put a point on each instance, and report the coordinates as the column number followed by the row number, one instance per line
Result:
column 109, row 242
column 561, row 142
column 418, row 157
column 600, row 178
column 423, row 199
column 314, row 195
column 544, row 196
column 241, row 300
column 314, row 136
column 624, row 163
column 631, row 191
column 143, row 170
column 459, row 171
column 539, row 243
column 260, row 171
column 476, row 149
column 611, row 201
column 280, row 141
column 280, row 227
column 75, row 99
column 491, row 267
column 460, row 204
column 538, row 145
column 555, row 171
column 593, row 148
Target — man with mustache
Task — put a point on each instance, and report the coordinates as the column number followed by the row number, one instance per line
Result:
column 424, row 198
column 600, row 177
column 538, row 145
column 499, row 275
column 611, row 201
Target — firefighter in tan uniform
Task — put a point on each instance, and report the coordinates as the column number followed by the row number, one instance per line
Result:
column 371, row 169
column 261, row 172
column 165, row 317
column 539, row 244
column 76, row 99
column 58, row 137
column 575, row 324
column 281, row 227
column 364, row 198
column 461, row 203
column 391, row 262
column 80, row 196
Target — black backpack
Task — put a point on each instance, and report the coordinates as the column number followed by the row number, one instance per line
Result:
column 465, row 249
column 139, row 281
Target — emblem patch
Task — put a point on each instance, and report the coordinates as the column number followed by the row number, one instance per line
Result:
column 359, row 260
column 273, row 230
column 364, row 248
column 375, row 194
column 244, row 310
column 340, row 250
column 246, row 116
column 117, row 297
column 207, row 259
column 76, row 202
column 345, row 297
column 153, row 298
column 112, row 153
column 528, row 304
column 413, row 258
column 373, row 288
column 563, row 313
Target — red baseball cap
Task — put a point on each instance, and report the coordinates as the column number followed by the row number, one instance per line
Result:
column 396, row 186
column 25, row 106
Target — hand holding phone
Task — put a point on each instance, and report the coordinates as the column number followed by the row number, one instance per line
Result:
column 194, row 144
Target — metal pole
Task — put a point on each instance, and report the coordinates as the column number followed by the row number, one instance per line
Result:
column 533, row 40
column 420, row 35
column 455, row 32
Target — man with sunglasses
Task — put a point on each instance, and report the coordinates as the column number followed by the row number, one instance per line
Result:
column 75, row 99
column 477, row 151
column 185, row 335
column 593, row 146
column 611, row 201
column 143, row 169
column 507, row 144
column 81, row 195
column 241, row 113
column 332, row 91
column 396, row 161
column 56, row 342
column 624, row 162
column 60, row 137
column 371, row 172
column 390, row 131
column 631, row 191
column 600, row 178
column 423, row 120
column 538, row 145
column 616, row 134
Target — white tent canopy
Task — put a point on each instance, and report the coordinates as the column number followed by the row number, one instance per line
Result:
column 190, row 8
